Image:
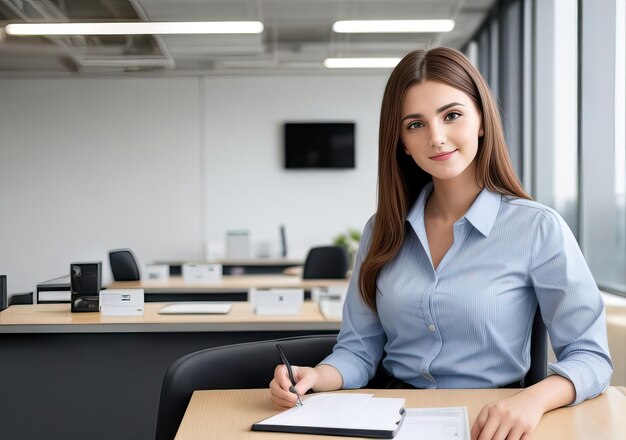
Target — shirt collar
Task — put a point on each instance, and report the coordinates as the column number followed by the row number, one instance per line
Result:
column 482, row 214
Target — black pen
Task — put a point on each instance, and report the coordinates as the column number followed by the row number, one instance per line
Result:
column 283, row 358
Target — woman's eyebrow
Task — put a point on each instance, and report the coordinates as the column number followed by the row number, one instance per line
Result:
column 439, row 110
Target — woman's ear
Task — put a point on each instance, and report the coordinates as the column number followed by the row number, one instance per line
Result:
column 407, row 152
column 481, row 132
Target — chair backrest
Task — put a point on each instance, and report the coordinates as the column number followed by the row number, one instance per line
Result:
column 239, row 366
column 538, row 352
column 326, row 262
column 3, row 292
column 124, row 265
column 21, row 298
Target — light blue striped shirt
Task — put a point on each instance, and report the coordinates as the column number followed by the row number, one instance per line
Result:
column 468, row 323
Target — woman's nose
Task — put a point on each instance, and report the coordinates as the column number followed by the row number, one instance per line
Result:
column 437, row 135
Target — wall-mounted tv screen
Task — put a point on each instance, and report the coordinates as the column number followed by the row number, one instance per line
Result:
column 319, row 145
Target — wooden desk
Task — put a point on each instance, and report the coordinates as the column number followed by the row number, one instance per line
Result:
column 228, row 414
column 66, row 374
column 231, row 288
column 57, row 318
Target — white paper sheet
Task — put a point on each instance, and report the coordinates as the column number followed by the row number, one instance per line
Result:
column 434, row 424
column 345, row 411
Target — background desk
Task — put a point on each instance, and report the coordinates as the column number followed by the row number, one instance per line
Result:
column 231, row 288
column 228, row 414
column 76, row 376
column 250, row 266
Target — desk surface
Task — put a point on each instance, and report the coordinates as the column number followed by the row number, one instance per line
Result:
column 230, row 413
column 229, row 283
column 57, row 318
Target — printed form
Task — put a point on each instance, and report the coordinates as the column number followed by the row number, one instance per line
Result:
column 434, row 424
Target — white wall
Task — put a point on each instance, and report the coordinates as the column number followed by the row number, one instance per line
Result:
column 166, row 165
column 88, row 165
column 247, row 186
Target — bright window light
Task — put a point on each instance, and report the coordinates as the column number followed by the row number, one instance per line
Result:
column 393, row 26
column 136, row 28
column 348, row 63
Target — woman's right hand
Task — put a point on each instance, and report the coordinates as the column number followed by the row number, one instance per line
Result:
column 305, row 377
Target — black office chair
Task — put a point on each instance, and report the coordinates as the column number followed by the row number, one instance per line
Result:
column 239, row 366
column 326, row 262
column 124, row 265
column 21, row 298
column 538, row 352
column 16, row 298
column 3, row 292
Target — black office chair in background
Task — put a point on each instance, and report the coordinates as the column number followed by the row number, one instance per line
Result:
column 16, row 298
column 124, row 265
column 326, row 262
column 3, row 292
column 21, row 298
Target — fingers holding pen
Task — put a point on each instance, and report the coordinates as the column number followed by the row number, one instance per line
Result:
column 306, row 378
column 281, row 387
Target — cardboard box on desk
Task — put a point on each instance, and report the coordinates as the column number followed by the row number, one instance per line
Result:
column 122, row 302
column 202, row 273
column 277, row 301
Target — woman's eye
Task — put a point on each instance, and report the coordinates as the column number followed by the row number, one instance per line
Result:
column 414, row 125
column 452, row 116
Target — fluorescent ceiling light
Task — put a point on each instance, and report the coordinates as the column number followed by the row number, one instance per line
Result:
column 393, row 26
column 347, row 63
column 136, row 28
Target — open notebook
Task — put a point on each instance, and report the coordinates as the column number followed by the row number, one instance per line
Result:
column 358, row 415
column 192, row 308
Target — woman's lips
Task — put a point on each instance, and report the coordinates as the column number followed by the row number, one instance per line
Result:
column 444, row 156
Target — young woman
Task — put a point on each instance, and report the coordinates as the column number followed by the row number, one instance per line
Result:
column 455, row 261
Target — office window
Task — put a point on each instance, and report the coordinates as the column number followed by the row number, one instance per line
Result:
column 483, row 50
column 502, row 48
column 555, row 116
column 510, row 74
column 527, row 126
column 603, row 141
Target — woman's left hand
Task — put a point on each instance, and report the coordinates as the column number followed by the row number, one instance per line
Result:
column 513, row 418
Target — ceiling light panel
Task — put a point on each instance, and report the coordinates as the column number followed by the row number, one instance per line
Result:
column 135, row 28
column 393, row 26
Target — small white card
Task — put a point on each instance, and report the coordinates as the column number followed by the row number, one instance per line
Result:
column 157, row 272
column 277, row 301
column 121, row 302
column 202, row 273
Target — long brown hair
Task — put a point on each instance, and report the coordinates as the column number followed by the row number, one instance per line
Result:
column 400, row 180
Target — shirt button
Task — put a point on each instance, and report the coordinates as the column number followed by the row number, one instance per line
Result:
column 431, row 327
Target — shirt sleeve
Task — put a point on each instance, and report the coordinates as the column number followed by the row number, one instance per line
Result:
column 361, row 340
column 571, row 307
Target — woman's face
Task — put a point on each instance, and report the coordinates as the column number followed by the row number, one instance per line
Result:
column 440, row 128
